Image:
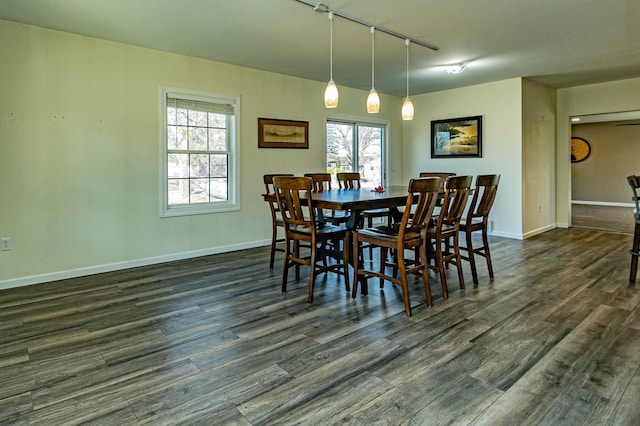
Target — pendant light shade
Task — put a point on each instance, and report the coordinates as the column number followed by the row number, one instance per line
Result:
column 373, row 100
column 407, row 106
column 331, row 96
column 407, row 109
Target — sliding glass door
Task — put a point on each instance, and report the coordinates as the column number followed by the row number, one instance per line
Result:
column 356, row 147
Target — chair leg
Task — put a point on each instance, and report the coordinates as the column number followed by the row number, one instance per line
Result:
column 369, row 225
column 296, row 251
column 440, row 264
column 425, row 274
column 274, row 238
column 403, row 282
column 472, row 259
column 356, row 256
column 487, row 253
column 285, row 269
column 312, row 271
column 345, row 261
column 456, row 254
column 634, row 254
column 383, row 260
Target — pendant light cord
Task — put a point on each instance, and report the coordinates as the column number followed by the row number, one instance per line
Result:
column 373, row 30
column 406, row 42
column 330, row 14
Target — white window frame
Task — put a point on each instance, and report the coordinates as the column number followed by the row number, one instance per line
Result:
column 233, row 197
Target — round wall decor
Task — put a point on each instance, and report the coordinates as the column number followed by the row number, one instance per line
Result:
column 580, row 149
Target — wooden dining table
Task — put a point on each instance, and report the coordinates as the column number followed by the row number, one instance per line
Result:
column 356, row 201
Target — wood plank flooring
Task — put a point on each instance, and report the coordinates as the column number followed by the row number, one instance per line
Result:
column 553, row 340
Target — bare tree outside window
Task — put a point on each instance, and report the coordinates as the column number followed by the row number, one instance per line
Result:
column 355, row 147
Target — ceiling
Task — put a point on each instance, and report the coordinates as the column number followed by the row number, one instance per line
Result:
column 560, row 43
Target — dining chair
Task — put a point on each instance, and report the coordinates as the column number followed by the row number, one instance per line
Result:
column 351, row 180
column 477, row 219
column 410, row 233
column 300, row 225
column 445, row 229
column 634, row 182
column 442, row 175
column 322, row 183
column 276, row 220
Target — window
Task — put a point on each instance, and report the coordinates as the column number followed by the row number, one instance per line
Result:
column 356, row 147
column 199, row 153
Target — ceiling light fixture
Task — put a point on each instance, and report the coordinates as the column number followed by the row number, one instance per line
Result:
column 455, row 69
column 331, row 92
column 373, row 100
column 331, row 96
column 407, row 106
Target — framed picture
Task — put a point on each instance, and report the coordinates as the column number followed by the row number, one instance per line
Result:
column 274, row 133
column 580, row 149
column 456, row 137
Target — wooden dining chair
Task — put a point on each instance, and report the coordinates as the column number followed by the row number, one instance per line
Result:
column 348, row 180
column 351, row 180
column 634, row 182
column 443, row 234
column 322, row 183
column 477, row 219
column 276, row 220
column 442, row 175
column 300, row 225
column 410, row 233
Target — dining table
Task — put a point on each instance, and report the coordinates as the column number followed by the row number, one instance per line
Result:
column 356, row 201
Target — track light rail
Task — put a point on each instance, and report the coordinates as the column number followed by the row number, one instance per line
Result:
column 324, row 8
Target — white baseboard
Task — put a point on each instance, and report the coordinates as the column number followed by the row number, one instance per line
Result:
column 602, row 203
column 539, row 231
column 98, row 269
column 506, row 235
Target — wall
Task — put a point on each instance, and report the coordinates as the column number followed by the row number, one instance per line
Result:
column 615, row 96
column 499, row 104
column 79, row 152
column 538, row 157
column 602, row 176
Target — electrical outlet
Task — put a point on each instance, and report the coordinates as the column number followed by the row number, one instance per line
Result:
column 5, row 244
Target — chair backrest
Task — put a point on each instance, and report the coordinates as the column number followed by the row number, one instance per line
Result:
column 290, row 191
column 417, row 213
column 483, row 197
column 321, row 181
column 442, row 175
column 634, row 182
column 455, row 200
column 348, row 180
column 268, row 181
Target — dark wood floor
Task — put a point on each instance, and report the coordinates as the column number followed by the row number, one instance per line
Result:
column 555, row 339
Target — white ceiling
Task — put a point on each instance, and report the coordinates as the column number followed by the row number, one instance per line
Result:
column 560, row 43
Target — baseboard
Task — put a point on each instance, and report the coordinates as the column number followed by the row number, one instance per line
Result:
column 98, row 269
column 539, row 231
column 506, row 235
column 602, row 203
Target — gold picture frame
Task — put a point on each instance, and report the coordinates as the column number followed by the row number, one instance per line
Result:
column 273, row 133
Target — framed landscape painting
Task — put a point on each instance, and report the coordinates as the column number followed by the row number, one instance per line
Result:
column 456, row 137
column 274, row 133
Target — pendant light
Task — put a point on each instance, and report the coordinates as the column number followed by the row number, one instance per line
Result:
column 407, row 106
column 331, row 92
column 373, row 100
